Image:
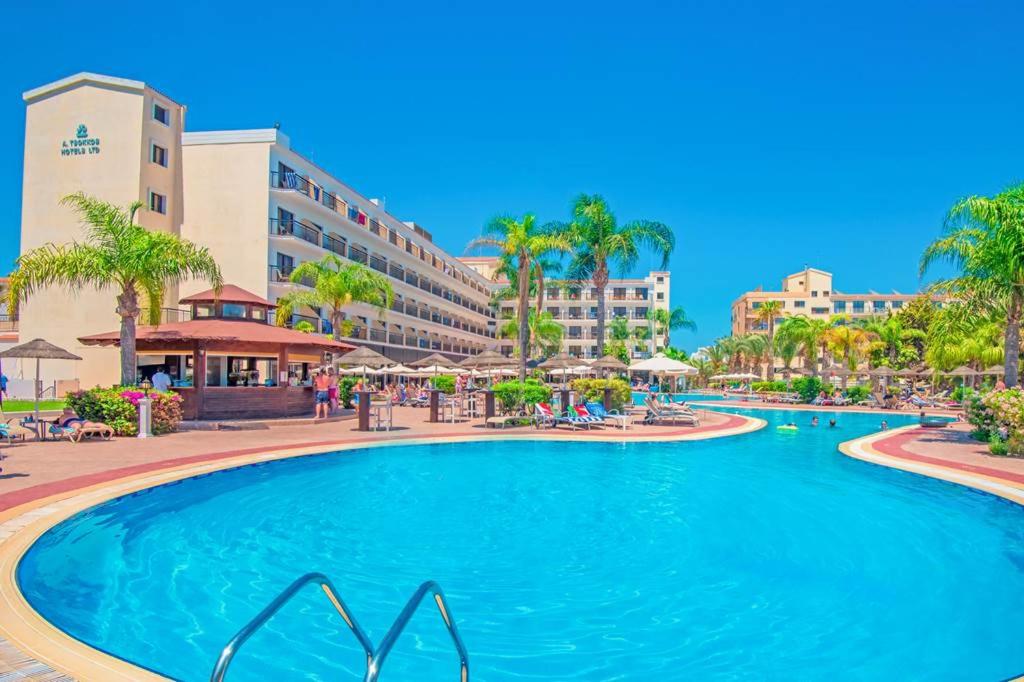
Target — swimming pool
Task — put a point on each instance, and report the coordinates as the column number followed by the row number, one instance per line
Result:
column 763, row 556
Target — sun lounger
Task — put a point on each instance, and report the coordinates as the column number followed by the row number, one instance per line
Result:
column 657, row 414
column 613, row 416
column 583, row 413
column 573, row 419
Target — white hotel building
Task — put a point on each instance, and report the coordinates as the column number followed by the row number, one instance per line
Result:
column 260, row 207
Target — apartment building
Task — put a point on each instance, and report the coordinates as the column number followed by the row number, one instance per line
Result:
column 575, row 308
column 112, row 138
column 810, row 292
column 262, row 209
column 258, row 205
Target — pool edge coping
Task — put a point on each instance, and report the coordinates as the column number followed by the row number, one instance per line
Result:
column 22, row 525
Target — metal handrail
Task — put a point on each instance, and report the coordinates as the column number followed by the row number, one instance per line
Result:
column 377, row 660
column 227, row 654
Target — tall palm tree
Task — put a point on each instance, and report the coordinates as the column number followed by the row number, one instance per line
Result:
column 545, row 333
column 522, row 245
column 717, row 356
column 984, row 239
column 601, row 243
column 849, row 343
column 767, row 313
column 892, row 336
column 116, row 254
column 667, row 320
column 335, row 284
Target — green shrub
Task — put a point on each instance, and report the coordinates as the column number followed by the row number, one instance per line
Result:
column 998, row 446
column 592, row 390
column 809, row 388
column 118, row 408
column 345, row 386
column 771, row 386
column 858, row 393
column 445, row 383
column 513, row 396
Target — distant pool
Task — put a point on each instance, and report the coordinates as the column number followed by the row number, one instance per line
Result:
column 638, row 397
column 763, row 556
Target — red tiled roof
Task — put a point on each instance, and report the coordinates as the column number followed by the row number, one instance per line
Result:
column 229, row 293
column 222, row 331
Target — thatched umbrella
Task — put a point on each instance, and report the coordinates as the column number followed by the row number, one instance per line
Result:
column 609, row 362
column 995, row 370
column 562, row 361
column 908, row 372
column 487, row 361
column 432, row 359
column 363, row 357
column 40, row 350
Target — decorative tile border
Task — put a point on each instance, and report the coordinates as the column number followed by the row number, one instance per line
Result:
column 20, row 526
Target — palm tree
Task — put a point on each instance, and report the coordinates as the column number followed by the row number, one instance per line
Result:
column 667, row 320
column 756, row 351
column 545, row 333
column 849, row 344
column 522, row 245
column 600, row 243
column 892, row 336
column 984, row 239
column 767, row 313
column 117, row 254
column 717, row 356
column 958, row 336
column 619, row 329
column 335, row 284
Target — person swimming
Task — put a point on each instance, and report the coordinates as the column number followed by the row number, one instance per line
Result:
column 885, row 425
column 814, row 421
column 831, row 423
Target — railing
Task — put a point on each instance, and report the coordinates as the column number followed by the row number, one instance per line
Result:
column 8, row 323
column 373, row 663
column 166, row 315
column 296, row 228
column 278, row 274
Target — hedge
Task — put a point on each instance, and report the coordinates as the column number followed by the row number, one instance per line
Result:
column 118, row 408
column 592, row 390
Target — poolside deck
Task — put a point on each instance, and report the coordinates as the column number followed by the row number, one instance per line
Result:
column 33, row 470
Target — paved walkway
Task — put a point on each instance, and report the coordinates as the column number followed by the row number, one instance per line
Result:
column 951, row 448
column 36, row 470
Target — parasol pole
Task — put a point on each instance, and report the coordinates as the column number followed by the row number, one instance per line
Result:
column 39, row 431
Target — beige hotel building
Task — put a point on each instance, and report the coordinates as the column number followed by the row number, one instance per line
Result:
column 810, row 292
column 258, row 205
column 575, row 308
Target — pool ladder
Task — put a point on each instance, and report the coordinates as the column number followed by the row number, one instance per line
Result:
column 374, row 657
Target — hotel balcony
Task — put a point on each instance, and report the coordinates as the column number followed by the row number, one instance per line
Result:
column 294, row 182
column 8, row 323
column 303, row 233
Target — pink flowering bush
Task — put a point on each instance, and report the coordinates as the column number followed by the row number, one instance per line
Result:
column 118, row 407
column 998, row 417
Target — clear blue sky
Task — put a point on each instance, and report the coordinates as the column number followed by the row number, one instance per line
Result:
column 768, row 135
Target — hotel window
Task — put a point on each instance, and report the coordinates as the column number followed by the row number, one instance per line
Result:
column 641, row 293
column 661, row 280
column 858, row 306
column 824, row 293
column 799, row 304
column 157, row 202
column 814, row 294
column 161, row 114
column 285, row 264
column 158, row 155
column 661, row 295
column 233, row 310
column 819, row 311
column 839, row 306
column 897, row 305
column 204, row 310
column 878, row 306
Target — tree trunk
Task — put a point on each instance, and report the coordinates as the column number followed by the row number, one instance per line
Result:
column 128, row 309
column 600, row 281
column 336, row 324
column 770, row 374
column 540, row 289
column 1011, row 342
column 524, row 314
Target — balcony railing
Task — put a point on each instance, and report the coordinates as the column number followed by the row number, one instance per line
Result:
column 167, row 315
column 283, row 275
column 296, row 228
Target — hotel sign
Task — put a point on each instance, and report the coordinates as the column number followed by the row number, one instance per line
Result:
column 80, row 144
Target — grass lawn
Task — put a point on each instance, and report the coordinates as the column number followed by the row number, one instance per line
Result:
column 28, row 405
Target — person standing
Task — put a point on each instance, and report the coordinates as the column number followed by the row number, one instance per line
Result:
column 332, row 389
column 161, row 380
column 321, row 386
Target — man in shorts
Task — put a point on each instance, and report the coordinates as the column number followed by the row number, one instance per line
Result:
column 321, row 391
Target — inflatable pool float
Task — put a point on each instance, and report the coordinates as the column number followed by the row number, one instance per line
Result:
column 787, row 427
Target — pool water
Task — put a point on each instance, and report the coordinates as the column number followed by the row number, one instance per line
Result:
column 762, row 556
column 639, row 396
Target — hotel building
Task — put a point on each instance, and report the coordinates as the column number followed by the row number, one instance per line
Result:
column 810, row 292
column 575, row 308
column 260, row 207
